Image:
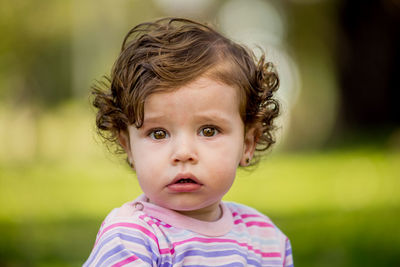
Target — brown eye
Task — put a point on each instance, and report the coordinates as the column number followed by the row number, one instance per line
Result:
column 158, row 134
column 208, row 131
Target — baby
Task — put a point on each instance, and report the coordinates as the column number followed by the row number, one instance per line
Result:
column 188, row 106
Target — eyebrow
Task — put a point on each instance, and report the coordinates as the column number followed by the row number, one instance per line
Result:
column 153, row 119
column 213, row 117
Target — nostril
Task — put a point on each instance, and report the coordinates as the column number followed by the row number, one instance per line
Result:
column 184, row 158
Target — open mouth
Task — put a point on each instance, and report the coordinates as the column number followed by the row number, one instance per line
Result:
column 185, row 181
column 188, row 183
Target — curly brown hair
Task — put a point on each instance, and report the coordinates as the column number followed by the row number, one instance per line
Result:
column 172, row 52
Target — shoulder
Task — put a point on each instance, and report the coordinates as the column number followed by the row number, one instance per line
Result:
column 241, row 210
column 128, row 219
column 254, row 220
column 260, row 228
column 126, row 234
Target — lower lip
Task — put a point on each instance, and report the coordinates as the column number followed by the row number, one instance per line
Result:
column 184, row 187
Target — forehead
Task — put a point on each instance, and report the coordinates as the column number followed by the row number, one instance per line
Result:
column 203, row 95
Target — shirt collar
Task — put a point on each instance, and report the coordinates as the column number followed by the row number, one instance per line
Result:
column 216, row 228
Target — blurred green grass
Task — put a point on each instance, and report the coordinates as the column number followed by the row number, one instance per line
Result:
column 339, row 207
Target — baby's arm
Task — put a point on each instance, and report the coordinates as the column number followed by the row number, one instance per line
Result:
column 288, row 257
column 124, row 241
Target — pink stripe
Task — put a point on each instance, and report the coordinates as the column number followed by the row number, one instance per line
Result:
column 261, row 224
column 244, row 216
column 128, row 225
column 271, row 254
column 250, row 215
column 152, row 220
column 167, row 251
column 143, row 216
column 159, row 224
column 238, row 221
column 126, row 261
column 222, row 240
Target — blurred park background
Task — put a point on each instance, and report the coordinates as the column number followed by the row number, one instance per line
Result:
column 331, row 183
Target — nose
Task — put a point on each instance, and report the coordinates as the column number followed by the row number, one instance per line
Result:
column 184, row 150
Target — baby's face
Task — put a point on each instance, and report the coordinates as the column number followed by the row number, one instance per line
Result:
column 187, row 151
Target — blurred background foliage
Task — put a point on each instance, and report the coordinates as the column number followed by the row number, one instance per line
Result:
column 331, row 182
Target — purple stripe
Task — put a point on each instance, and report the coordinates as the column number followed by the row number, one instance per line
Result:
column 126, row 261
column 223, row 253
column 124, row 237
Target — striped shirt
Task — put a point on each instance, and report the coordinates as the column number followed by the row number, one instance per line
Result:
column 143, row 234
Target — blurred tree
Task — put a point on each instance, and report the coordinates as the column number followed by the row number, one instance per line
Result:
column 35, row 52
column 312, row 36
column 369, row 64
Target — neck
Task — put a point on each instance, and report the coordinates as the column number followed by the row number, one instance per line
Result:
column 209, row 214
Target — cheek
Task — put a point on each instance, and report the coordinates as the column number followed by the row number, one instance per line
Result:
column 146, row 177
column 146, row 166
column 148, row 162
column 141, row 155
column 232, row 152
column 223, row 179
column 223, row 164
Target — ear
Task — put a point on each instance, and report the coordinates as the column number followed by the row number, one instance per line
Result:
column 124, row 140
column 249, row 146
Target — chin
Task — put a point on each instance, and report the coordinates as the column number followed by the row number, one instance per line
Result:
column 187, row 206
